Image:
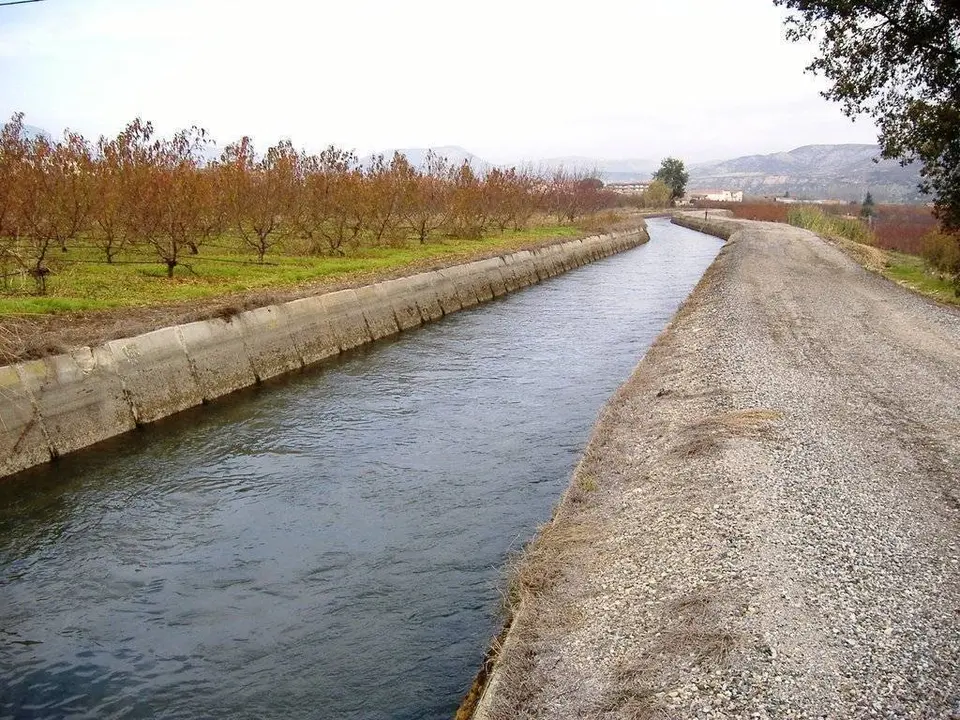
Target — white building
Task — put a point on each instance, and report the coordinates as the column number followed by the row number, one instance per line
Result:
column 634, row 188
column 717, row 195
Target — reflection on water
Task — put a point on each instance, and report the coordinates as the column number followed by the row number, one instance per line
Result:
column 328, row 545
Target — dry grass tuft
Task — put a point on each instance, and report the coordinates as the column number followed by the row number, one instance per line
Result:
column 602, row 222
column 533, row 577
column 15, row 334
column 872, row 258
column 697, row 639
column 536, row 570
column 707, row 434
column 583, row 486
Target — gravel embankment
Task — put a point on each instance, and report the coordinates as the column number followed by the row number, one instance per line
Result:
column 766, row 523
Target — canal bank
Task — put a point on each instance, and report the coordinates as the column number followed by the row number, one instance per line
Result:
column 54, row 406
column 764, row 522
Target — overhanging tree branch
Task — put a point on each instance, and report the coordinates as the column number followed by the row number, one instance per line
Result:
column 897, row 61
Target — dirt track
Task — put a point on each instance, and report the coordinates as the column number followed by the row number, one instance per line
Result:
column 766, row 523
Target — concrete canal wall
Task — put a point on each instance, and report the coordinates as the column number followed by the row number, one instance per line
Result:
column 711, row 222
column 59, row 404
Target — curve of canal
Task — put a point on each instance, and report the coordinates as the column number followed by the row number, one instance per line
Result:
column 329, row 545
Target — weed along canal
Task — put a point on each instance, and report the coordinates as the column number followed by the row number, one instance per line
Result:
column 330, row 545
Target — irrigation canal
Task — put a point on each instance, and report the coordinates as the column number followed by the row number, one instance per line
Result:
column 329, row 545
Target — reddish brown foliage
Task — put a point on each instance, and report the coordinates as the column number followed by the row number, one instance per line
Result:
column 137, row 189
column 766, row 211
column 902, row 227
column 896, row 227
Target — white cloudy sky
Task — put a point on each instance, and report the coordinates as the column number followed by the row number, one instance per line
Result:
column 507, row 79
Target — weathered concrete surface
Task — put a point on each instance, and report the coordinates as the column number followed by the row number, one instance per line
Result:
column 525, row 267
column 427, row 297
column 345, row 312
column 79, row 398
column 403, row 293
column 217, row 356
column 377, row 303
column 311, row 330
column 23, row 442
column 447, row 293
column 268, row 341
column 543, row 266
column 57, row 405
column 464, row 280
column 511, row 283
column 493, row 271
column 480, row 280
column 766, row 522
column 156, row 374
column 713, row 222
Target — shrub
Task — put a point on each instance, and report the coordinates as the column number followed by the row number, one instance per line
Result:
column 942, row 251
column 600, row 222
column 814, row 219
column 657, row 195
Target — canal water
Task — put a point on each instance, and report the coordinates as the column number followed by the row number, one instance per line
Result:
column 330, row 545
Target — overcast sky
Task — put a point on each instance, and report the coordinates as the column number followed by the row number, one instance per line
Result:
column 506, row 79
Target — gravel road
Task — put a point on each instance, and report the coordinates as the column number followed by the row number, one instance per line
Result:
column 766, row 523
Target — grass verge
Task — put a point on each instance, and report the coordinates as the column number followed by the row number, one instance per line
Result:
column 910, row 271
column 812, row 218
column 913, row 272
column 856, row 239
column 82, row 283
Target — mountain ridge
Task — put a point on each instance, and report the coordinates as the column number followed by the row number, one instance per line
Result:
column 816, row 172
column 819, row 171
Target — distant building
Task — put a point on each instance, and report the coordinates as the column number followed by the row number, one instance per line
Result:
column 793, row 200
column 716, row 195
column 634, row 188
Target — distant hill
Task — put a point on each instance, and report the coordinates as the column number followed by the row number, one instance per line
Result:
column 816, row 172
column 417, row 157
column 32, row 131
column 608, row 170
column 626, row 170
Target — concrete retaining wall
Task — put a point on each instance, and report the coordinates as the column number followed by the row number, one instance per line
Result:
column 713, row 222
column 54, row 406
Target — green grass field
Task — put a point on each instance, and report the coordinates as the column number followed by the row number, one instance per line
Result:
column 82, row 281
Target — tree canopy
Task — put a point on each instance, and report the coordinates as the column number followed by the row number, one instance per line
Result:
column 657, row 195
column 673, row 175
column 898, row 62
